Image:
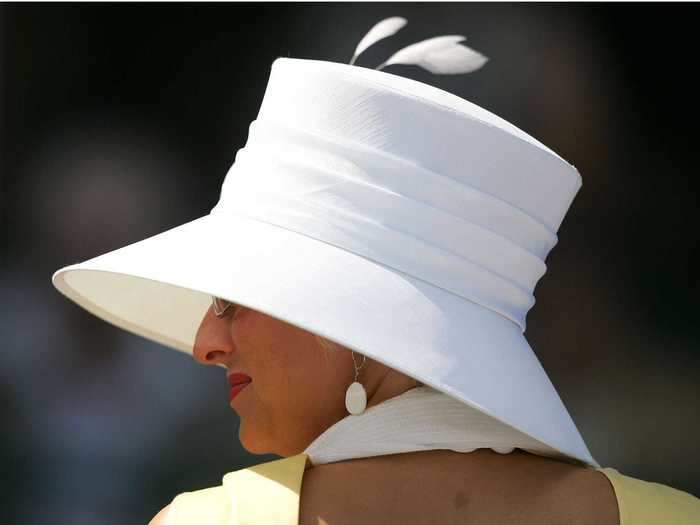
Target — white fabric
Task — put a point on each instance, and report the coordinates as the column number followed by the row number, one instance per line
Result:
column 389, row 216
column 447, row 199
column 360, row 199
column 420, row 419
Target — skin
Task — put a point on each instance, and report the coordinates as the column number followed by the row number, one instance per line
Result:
column 439, row 487
column 298, row 391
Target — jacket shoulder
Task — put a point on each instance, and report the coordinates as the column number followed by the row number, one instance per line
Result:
column 208, row 505
column 643, row 502
column 268, row 492
column 264, row 493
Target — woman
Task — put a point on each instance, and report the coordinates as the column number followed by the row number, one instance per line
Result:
column 371, row 260
column 280, row 412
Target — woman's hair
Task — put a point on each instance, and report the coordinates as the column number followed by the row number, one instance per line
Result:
column 325, row 343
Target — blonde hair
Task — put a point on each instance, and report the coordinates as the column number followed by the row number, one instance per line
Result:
column 325, row 343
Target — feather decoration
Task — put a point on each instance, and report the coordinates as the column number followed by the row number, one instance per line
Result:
column 440, row 54
column 379, row 31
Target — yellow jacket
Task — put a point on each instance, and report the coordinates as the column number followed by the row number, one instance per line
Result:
column 269, row 493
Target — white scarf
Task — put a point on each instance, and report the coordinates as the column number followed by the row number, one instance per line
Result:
column 421, row 418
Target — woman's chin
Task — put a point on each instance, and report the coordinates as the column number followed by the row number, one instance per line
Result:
column 250, row 442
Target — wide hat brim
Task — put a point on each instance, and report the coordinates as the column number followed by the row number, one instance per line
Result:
column 160, row 288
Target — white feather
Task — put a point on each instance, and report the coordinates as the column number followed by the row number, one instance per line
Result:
column 440, row 54
column 453, row 60
column 380, row 30
column 415, row 52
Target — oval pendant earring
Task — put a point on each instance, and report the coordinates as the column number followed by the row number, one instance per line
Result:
column 355, row 395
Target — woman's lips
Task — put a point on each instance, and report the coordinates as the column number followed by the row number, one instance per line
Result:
column 236, row 389
column 238, row 382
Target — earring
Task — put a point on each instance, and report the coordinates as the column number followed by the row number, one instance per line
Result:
column 355, row 395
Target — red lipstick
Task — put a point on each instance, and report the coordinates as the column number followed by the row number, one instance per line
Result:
column 238, row 382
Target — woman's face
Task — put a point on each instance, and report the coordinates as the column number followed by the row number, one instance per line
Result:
column 297, row 389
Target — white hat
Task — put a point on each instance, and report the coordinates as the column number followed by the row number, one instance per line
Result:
column 382, row 213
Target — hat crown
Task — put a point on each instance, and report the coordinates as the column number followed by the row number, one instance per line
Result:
column 405, row 174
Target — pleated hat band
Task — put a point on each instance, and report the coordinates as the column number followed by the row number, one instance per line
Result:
column 406, row 175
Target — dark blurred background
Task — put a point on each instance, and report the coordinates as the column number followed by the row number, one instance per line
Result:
column 120, row 121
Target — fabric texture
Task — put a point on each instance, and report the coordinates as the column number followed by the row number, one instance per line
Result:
column 419, row 419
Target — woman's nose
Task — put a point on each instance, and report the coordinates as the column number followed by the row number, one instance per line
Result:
column 213, row 343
